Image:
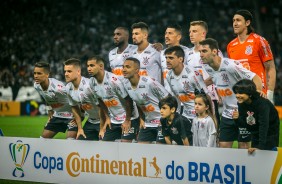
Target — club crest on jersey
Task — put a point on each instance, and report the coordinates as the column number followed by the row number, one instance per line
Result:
column 145, row 96
column 109, row 91
column 145, row 60
column 186, row 85
column 225, row 77
column 250, row 118
column 174, row 130
column 249, row 50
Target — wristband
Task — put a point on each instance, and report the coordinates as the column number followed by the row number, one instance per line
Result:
column 270, row 96
column 48, row 108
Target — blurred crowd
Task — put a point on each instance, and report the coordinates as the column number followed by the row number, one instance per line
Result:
column 53, row 31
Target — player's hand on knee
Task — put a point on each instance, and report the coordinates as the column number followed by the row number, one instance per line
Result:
column 80, row 132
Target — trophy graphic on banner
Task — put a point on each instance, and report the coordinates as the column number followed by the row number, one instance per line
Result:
column 19, row 152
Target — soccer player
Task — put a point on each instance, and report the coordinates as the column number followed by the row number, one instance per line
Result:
column 122, row 51
column 55, row 95
column 183, row 81
column 146, row 93
column 175, row 127
column 122, row 120
column 261, row 115
column 81, row 98
column 225, row 73
column 253, row 51
column 149, row 57
column 197, row 32
column 173, row 35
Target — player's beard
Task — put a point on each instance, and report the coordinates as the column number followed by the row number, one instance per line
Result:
column 137, row 43
column 120, row 43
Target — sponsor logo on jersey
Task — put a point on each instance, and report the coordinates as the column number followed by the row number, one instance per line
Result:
column 184, row 76
column 83, row 82
column 142, row 86
column 147, row 52
column 125, row 56
column 235, row 43
column 144, row 79
column 250, row 40
column 197, row 73
column 53, row 85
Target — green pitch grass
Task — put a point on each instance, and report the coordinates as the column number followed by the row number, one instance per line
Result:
column 32, row 126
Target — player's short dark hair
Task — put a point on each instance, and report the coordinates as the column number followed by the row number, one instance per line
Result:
column 246, row 86
column 44, row 65
column 169, row 101
column 212, row 43
column 247, row 16
column 142, row 25
column 73, row 61
column 200, row 23
column 177, row 27
column 98, row 59
column 123, row 28
column 135, row 60
column 179, row 52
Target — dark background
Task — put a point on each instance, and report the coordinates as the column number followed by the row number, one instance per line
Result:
column 53, row 31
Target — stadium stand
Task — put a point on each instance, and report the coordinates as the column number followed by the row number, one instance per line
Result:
column 53, row 31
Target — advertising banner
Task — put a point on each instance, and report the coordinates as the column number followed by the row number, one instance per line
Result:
column 72, row 161
column 33, row 108
column 9, row 108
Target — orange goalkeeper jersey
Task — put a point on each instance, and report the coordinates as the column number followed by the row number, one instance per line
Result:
column 252, row 54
